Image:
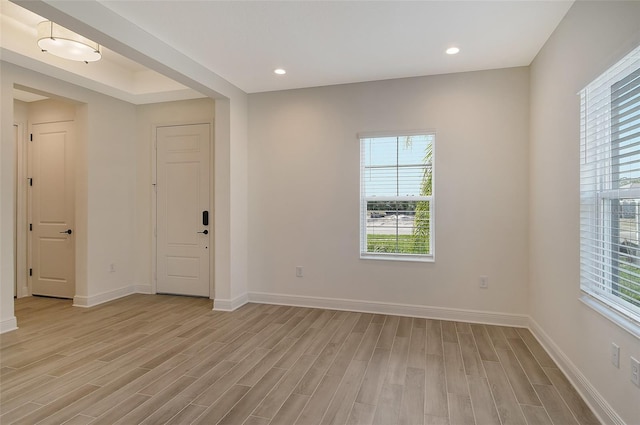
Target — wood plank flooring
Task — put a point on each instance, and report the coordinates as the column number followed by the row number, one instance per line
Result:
column 157, row 359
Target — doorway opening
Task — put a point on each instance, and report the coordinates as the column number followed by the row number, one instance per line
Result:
column 44, row 195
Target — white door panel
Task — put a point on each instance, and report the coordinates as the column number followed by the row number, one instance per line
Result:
column 52, row 210
column 182, row 195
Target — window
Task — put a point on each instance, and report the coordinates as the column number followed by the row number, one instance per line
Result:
column 396, row 197
column 610, row 188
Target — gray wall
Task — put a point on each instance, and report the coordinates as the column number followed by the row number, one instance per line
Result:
column 591, row 38
column 304, row 190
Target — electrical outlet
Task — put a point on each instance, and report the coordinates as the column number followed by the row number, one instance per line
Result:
column 298, row 271
column 635, row 372
column 484, row 282
column 615, row 355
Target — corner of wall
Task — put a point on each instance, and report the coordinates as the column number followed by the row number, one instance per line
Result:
column 103, row 297
column 7, row 203
column 8, row 325
column 230, row 304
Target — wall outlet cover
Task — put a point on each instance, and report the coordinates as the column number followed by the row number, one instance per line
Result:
column 484, row 282
column 635, row 372
column 615, row 355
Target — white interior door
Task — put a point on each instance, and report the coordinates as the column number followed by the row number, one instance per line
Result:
column 52, row 210
column 182, row 185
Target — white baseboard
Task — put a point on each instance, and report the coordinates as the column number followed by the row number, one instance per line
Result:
column 23, row 292
column 460, row 315
column 230, row 304
column 142, row 289
column 93, row 300
column 589, row 394
column 8, row 325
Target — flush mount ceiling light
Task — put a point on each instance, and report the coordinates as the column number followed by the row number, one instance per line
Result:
column 280, row 71
column 59, row 41
column 452, row 50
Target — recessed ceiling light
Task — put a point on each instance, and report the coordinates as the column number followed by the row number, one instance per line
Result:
column 280, row 71
column 452, row 50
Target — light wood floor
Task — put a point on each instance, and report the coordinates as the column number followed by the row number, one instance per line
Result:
column 158, row 359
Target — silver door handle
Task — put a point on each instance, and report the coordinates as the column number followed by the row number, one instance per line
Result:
column 68, row 231
column 205, row 231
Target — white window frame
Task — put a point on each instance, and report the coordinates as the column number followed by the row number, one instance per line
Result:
column 364, row 255
column 599, row 190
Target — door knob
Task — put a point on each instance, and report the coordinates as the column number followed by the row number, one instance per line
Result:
column 68, row 232
column 205, row 231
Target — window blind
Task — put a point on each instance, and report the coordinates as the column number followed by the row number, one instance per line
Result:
column 610, row 187
column 396, row 195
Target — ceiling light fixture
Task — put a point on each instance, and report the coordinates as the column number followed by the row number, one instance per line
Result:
column 59, row 41
column 280, row 71
column 452, row 50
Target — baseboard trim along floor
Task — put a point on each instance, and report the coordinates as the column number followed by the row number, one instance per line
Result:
column 461, row 315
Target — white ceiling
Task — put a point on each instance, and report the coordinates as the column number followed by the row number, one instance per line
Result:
column 27, row 21
column 317, row 42
column 114, row 75
column 332, row 42
column 27, row 96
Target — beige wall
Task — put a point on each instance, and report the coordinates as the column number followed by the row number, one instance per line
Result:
column 147, row 117
column 592, row 37
column 111, row 165
column 20, row 112
column 50, row 110
column 304, row 190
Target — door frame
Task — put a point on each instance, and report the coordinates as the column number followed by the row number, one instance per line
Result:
column 154, row 201
column 22, row 214
column 80, row 121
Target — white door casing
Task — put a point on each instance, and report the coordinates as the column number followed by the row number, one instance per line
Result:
column 16, row 143
column 22, row 217
column 182, row 185
column 52, row 242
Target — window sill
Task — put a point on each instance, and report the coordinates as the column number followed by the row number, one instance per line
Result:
column 613, row 315
column 392, row 257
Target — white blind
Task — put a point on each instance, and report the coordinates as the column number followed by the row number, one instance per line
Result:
column 396, row 174
column 610, row 187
